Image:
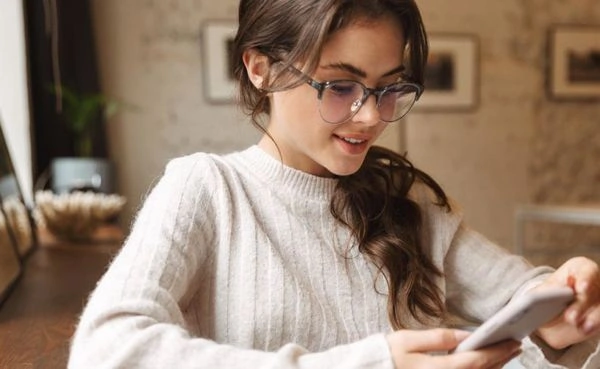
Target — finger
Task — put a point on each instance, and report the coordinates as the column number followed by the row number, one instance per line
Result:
column 583, row 276
column 573, row 272
column 505, row 360
column 495, row 356
column 587, row 296
column 430, row 340
column 591, row 322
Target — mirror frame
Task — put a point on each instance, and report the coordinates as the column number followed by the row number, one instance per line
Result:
column 12, row 282
column 23, row 250
column 19, row 252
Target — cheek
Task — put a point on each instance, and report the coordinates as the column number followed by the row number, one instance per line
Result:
column 298, row 108
column 383, row 127
column 306, row 104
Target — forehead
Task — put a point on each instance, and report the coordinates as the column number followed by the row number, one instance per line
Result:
column 372, row 45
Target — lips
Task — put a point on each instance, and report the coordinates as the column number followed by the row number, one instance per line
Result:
column 353, row 144
column 353, row 139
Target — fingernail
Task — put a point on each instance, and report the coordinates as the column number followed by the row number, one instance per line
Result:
column 589, row 327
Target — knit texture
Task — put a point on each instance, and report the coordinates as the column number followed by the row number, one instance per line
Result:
column 236, row 262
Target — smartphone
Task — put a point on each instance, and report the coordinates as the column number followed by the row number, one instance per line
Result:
column 519, row 318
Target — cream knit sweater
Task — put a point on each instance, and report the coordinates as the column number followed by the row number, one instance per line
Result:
column 236, row 262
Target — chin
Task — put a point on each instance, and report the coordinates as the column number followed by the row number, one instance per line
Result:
column 345, row 171
column 340, row 166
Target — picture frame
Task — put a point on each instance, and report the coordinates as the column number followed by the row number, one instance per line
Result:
column 217, row 42
column 574, row 62
column 451, row 74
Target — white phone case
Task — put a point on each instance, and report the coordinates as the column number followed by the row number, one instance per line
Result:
column 519, row 318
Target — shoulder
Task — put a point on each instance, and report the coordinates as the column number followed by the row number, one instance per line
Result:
column 209, row 178
column 191, row 179
column 199, row 170
column 193, row 165
column 187, row 197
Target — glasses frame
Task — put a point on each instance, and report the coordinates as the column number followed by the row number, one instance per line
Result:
column 367, row 91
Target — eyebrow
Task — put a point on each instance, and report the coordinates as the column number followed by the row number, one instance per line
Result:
column 359, row 72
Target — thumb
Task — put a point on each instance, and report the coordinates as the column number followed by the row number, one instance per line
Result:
column 428, row 340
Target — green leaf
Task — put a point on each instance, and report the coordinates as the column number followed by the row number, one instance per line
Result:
column 82, row 112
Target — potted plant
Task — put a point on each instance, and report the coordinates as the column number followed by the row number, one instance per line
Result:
column 82, row 114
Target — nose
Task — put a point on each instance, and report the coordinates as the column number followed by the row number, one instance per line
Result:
column 368, row 113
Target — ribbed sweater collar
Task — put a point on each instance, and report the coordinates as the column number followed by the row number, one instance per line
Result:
column 287, row 179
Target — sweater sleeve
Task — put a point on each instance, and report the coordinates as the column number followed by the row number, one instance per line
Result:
column 479, row 277
column 482, row 277
column 133, row 318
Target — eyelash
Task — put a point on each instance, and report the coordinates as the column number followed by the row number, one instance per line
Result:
column 351, row 77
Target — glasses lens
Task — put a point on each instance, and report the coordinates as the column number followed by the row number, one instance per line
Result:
column 396, row 101
column 340, row 100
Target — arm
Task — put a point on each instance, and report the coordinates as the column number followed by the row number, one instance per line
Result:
column 479, row 277
column 482, row 277
column 134, row 317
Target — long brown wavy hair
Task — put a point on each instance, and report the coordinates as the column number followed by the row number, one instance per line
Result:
column 373, row 202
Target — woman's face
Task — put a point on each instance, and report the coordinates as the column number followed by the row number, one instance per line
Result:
column 367, row 51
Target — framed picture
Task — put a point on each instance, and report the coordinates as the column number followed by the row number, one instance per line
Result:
column 452, row 74
column 574, row 62
column 217, row 45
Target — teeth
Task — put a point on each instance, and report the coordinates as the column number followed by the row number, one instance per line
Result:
column 352, row 140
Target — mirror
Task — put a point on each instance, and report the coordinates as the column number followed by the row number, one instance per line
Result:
column 10, row 261
column 10, row 264
column 17, row 214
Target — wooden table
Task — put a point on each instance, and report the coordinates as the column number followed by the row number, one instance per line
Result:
column 39, row 317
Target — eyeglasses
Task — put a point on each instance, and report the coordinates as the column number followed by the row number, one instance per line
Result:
column 340, row 100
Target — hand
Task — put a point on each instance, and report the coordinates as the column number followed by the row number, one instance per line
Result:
column 412, row 350
column 581, row 319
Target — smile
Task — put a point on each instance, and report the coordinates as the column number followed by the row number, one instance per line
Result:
column 356, row 145
column 353, row 141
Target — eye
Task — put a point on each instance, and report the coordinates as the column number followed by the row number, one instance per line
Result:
column 342, row 88
column 400, row 89
column 405, row 78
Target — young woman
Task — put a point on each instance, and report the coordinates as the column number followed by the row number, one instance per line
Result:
column 314, row 248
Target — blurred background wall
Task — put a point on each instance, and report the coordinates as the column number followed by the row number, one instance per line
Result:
column 517, row 146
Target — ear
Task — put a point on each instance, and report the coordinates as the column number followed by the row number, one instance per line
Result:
column 257, row 67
